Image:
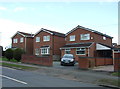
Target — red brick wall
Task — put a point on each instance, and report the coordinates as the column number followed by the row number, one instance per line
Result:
column 96, row 37
column 117, row 62
column 18, row 45
column 29, row 44
column 58, row 43
column 45, row 61
column 42, row 43
column 87, row 62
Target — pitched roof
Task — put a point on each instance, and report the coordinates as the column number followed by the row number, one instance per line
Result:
column 51, row 32
column 23, row 34
column 77, row 45
column 81, row 27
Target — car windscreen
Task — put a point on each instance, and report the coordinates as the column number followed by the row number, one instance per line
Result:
column 67, row 56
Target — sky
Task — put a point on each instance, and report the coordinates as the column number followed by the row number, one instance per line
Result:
column 61, row 16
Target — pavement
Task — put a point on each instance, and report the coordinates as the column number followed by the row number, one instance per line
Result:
column 74, row 73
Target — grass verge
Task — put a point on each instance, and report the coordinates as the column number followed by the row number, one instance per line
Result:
column 18, row 66
column 116, row 74
column 5, row 59
column 109, row 82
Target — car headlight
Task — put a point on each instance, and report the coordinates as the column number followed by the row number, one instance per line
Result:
column 72, row 60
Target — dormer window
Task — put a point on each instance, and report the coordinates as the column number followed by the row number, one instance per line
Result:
column 85, row 37
column 72, row 38
column 104, row 38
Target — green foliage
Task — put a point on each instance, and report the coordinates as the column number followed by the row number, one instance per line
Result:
column 9, row 53
column 18, row 53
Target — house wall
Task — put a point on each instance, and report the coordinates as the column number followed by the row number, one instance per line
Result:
column 96, row 37
column 26, row 45
column 73, row 51
column 18, row 44
column 42, row 43
column 29, row 45
column 117, row 61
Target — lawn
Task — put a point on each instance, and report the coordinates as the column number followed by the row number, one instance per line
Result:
column 116, row 74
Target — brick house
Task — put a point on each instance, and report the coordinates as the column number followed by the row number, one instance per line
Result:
column 85, row 42
column 47, row 42
column 24, row 41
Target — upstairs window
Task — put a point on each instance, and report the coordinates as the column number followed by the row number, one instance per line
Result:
column 80, row 51
column 15, row 40
column 37, row 39
column 85, row 37
column 46, row 38
column 72, row 38
column 21, row 40
column 67, row 51
column 104, row 38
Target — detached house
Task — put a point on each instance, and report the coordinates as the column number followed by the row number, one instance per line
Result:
column 24, row 41
column 86, row 42
column 47, row 42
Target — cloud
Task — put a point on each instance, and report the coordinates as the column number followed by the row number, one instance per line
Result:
column 19, row 9
column 3, row 8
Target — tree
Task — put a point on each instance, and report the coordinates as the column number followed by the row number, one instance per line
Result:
column 18, row 53
column 9, row 53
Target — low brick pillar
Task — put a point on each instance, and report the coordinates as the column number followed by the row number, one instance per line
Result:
column 117, row 62
column 83, row 62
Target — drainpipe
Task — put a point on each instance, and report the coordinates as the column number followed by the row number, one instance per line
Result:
column 25, row 44
column 88, row 52
column 113, row 56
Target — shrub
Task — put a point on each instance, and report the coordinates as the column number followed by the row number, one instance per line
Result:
column 9, row 53
column 18, row 53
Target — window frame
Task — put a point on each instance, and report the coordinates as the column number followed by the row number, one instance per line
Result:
column 15, row 40
column 37, row 40
column 38, row 51
column 104, row 38
column 81, row 50
column 21, row 40
column 66, row 50
column 72, row 38
column 46, row 38
column 45, row 51
column 81, row 38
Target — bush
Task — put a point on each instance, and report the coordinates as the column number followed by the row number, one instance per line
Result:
column 18, row 53
column 9, row 53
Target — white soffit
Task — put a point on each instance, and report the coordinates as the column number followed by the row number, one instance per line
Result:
column 102, row 47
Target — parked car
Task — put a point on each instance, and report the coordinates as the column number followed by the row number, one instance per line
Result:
column 68, row 59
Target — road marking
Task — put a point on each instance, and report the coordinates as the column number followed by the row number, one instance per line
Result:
column 13, row 79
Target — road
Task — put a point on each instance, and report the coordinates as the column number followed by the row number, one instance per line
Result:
column 19, row 78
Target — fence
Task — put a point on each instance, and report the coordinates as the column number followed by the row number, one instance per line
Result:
column 88, row 62
column 41, row 60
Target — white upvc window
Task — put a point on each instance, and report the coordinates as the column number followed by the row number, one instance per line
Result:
column 21, row 39
column 80, row 51
column 85, row 37
column 37, row 39
column 15, row 40
column 104, row 38
column 45, row 51
column 67, row 51
column 46, row 38
column 37, row 51
column 72, row 38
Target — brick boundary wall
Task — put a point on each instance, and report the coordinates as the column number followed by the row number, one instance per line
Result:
column 39, row 60
column 117, row 62
column 89, row 62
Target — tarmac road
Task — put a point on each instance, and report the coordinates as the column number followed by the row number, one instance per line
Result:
column 18, row 78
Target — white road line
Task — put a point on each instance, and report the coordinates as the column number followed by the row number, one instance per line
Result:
column 13, row 79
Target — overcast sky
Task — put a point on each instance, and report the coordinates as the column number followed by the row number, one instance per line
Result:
column 57, row 16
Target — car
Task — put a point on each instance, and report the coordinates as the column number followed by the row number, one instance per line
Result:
column 68, row 59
